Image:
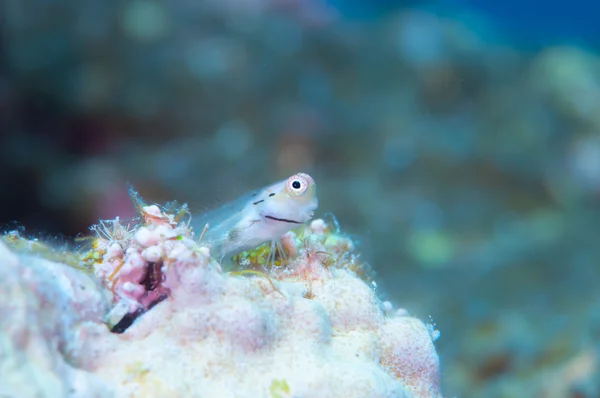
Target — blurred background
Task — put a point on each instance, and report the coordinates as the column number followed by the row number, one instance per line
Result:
column 457, row 140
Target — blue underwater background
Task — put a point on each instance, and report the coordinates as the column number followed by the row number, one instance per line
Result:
column 458, row 141
column 528, row 23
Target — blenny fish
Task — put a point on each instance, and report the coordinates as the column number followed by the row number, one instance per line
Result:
column 258, row 217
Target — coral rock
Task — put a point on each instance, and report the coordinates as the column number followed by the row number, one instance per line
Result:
column 309, row 327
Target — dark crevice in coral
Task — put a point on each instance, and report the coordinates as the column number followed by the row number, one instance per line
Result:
column 153, row 276
column 152, row 281
column 126, row 321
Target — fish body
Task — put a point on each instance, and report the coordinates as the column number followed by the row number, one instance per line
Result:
column 260, row 216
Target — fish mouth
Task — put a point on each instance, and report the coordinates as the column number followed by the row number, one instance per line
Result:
column 283, row 220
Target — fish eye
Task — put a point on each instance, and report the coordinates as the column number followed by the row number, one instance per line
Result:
column 296, row 185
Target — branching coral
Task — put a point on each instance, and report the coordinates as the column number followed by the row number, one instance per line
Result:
column 303, row 325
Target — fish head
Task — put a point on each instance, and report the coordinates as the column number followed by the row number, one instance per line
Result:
column 293, row 200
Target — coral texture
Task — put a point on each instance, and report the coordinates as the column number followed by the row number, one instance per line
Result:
column 165, row 320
